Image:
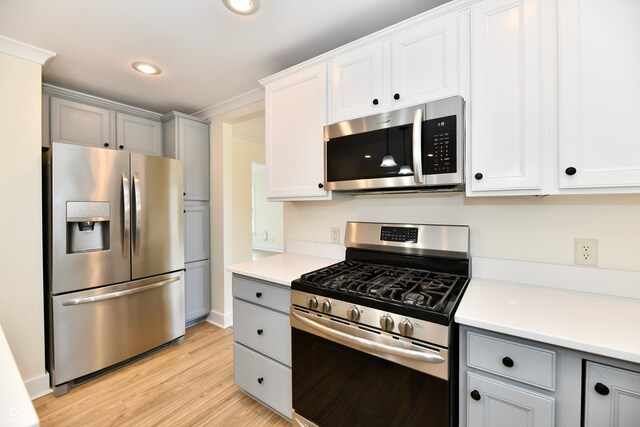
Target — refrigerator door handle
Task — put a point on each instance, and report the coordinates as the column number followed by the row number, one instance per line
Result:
column 126, row 216
column 137, row 202
column 86, row 300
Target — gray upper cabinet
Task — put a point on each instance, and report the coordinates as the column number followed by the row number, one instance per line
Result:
column 76, row 118
column 187, row 138
column 611, row 396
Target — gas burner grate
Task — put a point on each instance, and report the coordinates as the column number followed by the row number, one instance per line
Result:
column 406, row 286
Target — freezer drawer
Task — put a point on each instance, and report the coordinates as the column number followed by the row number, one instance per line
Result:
column 97, row 328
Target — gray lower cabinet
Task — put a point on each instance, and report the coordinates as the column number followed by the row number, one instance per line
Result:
column 611, row 396
column 507, row 381
column 196, row 233
column 262, row 342
column 197, row 292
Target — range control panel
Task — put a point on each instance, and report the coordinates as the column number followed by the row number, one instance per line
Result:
column 439, row 145
column 399, row 234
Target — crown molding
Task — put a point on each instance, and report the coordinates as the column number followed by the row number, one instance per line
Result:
column 25, row 51
column 246, row 98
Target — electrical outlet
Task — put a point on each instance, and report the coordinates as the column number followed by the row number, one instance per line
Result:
column 335, row 235
column 586, row 252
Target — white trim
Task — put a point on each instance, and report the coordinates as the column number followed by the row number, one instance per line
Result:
column 25, row 51
column 315, row 249
column 84, row 98
column 38, row 386
column 220, row 320
column 570, row 277
column 241, row 100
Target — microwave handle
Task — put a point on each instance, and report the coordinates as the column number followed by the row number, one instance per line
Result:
column 417, row 146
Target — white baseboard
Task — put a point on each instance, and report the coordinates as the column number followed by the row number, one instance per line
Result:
column 38, row 386
column 219, row 319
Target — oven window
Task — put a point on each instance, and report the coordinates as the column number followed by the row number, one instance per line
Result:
column 334, row 385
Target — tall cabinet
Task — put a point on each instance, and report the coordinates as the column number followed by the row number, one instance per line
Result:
column 187, row 138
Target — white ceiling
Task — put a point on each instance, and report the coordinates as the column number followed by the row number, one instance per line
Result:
column 207, row 53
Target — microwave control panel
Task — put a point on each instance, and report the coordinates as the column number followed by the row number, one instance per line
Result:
column 439, row 146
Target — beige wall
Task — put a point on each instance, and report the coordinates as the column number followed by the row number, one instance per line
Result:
column 538, row 229
column 21, row 287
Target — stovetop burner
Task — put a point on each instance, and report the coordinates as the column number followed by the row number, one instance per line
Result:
column 406, row 286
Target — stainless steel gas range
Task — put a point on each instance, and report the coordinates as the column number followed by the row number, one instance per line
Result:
column 373, row 338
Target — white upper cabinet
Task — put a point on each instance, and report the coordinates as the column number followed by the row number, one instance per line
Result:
column 599, row 60
column 424, row 62
column 506, row 97
column 138, row 134
column 356, row 84
column 295, row 113
column 76, row 123
column 416, row 65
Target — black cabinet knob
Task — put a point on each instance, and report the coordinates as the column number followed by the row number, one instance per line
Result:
column 106, row 144
column 258, row 294
column 260, row 380
column 121, row 147
column 601, row 389
column 321, row 185
column 475, row 395
column 375, row 101
column 260, row 331
column 478, row 176
column 570, row 171
column 396, row 96
column 184, row 193
column 508, row 362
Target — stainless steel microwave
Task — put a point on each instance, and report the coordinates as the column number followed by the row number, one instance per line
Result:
column 419, row 148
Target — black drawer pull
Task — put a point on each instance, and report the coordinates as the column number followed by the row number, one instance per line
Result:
column 258, row 294
column 475, row 395
column 601, row 389
column 260, row 380
column 570, row 171
column 478, row 176
column 260, row 331
column 508, row 362
column 122, row 147
column 375, row 101
column 106, row 144
column 396, row 96
column 320, row 185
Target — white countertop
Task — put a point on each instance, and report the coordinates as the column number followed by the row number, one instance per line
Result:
column 281, row 268
column 16, row 408
column 606, row 325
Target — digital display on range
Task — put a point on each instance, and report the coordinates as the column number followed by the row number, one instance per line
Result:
column 399, row 234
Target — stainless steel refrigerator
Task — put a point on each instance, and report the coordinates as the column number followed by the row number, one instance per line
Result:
column 114, row 257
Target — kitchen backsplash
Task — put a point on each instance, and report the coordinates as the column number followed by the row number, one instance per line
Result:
column 540, row 229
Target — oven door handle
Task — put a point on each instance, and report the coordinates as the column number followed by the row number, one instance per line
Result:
column 364, row 344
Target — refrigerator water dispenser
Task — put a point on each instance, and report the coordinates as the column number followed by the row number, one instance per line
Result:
column 87, row 226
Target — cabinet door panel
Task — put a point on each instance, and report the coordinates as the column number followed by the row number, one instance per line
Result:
column 138, row 134
column 355, row 81
column 76, row 123
column 295, row 116
column 196, row 236
column 193, row 149
column 197, row 294
column 506, row 133
column 599, row 90
column 620, row 407
column 425, row 62
column 501, row 405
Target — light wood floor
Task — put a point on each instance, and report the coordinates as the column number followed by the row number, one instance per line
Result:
column 187, row 385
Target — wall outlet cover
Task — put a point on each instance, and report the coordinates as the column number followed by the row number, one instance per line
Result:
column 586, row 252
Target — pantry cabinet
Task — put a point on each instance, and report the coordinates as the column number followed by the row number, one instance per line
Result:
column 507, row 142
column 76, row 122
column 417, row 65
column 599, row 67
column 295, row 113
column 197, row 292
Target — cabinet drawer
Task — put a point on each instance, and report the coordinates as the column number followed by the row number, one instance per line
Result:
column 261, row 293
column 520, row 362
column 263, row 330
column 266, row 380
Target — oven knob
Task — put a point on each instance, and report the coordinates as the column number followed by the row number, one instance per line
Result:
column 386, row 323
column 326, row 306
column 312, row 303
column 353, row 314
column 405, row 327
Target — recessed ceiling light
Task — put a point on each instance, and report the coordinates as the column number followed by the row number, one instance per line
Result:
column 242, row 7
column 146, row 68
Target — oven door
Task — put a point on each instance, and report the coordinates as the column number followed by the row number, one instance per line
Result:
column 344, row 375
